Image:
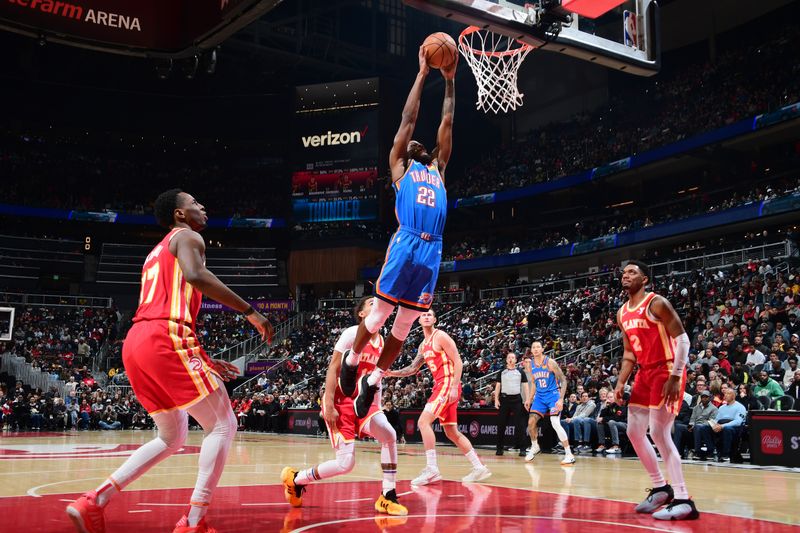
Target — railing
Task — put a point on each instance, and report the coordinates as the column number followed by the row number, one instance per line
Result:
column 254, row 345
column 444, row 297
column 778, row 250
column 54, row 300
column 18, row 367
column 266, row 372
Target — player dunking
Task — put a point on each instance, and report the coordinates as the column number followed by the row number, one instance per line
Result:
column 344, row 426
column 547, row 400
column 438, row 351
column 169, row 371
column 653, row 337
column 409, row 274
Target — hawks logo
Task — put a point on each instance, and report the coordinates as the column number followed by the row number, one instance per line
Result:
column 74, row 451
column 426, row 298
column 474, row 429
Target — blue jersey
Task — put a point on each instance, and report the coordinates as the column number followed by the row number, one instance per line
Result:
column 545, row 380
column 421, row 199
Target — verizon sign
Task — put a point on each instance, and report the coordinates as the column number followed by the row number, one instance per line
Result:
column 333, row 139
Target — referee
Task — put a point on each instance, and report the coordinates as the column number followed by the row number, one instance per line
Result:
column 511, row 384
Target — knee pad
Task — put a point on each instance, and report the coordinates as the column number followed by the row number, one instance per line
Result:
column 346, row 461
column 378, row 315
column 403, row 321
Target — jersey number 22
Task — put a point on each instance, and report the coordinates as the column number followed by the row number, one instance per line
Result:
column 426, row 196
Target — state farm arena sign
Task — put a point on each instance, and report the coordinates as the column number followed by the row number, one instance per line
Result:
column 150, row 24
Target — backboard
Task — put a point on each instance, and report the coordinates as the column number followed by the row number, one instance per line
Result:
column 626, row 38
column 6, row 323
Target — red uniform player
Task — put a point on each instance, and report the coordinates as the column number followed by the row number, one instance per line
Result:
column 653, row 336
column 171, row 374
column 438, row 351
column 344, row 426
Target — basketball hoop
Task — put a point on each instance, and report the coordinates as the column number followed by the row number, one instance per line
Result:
column 494, row 60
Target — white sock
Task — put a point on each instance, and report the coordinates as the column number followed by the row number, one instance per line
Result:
column 106, row 491
column 430, row 459
column 352, row 358
column 375, row 377
column 567, row 449
column 473, row 459
column 197, row 510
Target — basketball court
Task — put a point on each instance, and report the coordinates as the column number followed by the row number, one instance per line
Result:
column 41, row 473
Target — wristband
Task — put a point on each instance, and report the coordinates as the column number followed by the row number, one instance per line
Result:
column 249, row 311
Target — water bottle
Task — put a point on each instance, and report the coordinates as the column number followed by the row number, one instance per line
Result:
column 778, row 405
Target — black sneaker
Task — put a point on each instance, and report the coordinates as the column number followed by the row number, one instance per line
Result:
column 347, row 376
column 499, row 452
column 366, row 395
column 656, row 497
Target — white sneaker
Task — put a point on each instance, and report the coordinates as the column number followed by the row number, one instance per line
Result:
column 678, row 510
column 568, row 459
column 477, row 474
column 428, row 475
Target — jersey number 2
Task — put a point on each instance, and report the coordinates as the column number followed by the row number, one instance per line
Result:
column 426, row 196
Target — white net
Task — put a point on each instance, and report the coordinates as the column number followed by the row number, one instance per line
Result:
column 495, row 60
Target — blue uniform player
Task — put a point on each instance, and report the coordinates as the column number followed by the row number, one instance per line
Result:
column 546, row 399
column 409, row 273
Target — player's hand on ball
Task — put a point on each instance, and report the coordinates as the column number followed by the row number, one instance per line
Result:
column 263, row 326
column 423, row 62
column 227, row 371
column 449, row 73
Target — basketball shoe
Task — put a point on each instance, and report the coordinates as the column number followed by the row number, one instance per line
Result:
column 532, row 451
column 387, row 503
column 86, row 514
column 477, row 474
column 183, row 526
column 291, row 491
column 568, row 459
column 678, row 510
column 428, row 475
column 656, row 497
column 347, row 375
column 366, row 395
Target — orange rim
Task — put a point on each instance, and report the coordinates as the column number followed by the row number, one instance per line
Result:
column 462, row 39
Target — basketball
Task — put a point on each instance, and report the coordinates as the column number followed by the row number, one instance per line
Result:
column 440, row 50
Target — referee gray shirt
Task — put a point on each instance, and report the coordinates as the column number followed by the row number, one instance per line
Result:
column 511, row 381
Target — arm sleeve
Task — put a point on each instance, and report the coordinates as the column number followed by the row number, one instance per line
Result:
column 346, row 340
column 682, row 346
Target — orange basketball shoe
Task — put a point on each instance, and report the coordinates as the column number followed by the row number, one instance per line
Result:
column 86, row 514
column 183, row 526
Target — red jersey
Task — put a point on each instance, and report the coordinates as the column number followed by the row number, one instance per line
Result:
column 165, row 294
column 438, row 363
column 649, row 340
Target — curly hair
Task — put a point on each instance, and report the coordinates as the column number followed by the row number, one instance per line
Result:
column 165, row 206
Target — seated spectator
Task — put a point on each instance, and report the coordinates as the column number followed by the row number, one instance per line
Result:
column 582, row 423
column 791, row 369
column 766, row 386
column 702, row 414
column 109, row 419
column 774, row 368
column 616, row 416
column 681, row 428
column 794, row 390
column 728, row 421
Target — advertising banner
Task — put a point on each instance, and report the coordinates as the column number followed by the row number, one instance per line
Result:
column 262, row 306
column 303, row 421
column 774, row 438
column 257, row 367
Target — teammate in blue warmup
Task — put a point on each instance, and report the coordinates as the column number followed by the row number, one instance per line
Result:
column 409, row 273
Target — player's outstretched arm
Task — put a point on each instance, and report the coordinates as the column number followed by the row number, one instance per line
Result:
column 189, row 249
column 399, row 152
column 444, row 139
column 409, row 370
column 628, row 360
column 449, row 346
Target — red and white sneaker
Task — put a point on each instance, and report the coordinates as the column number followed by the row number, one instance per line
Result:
column 86, row 514
column 183, row 526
